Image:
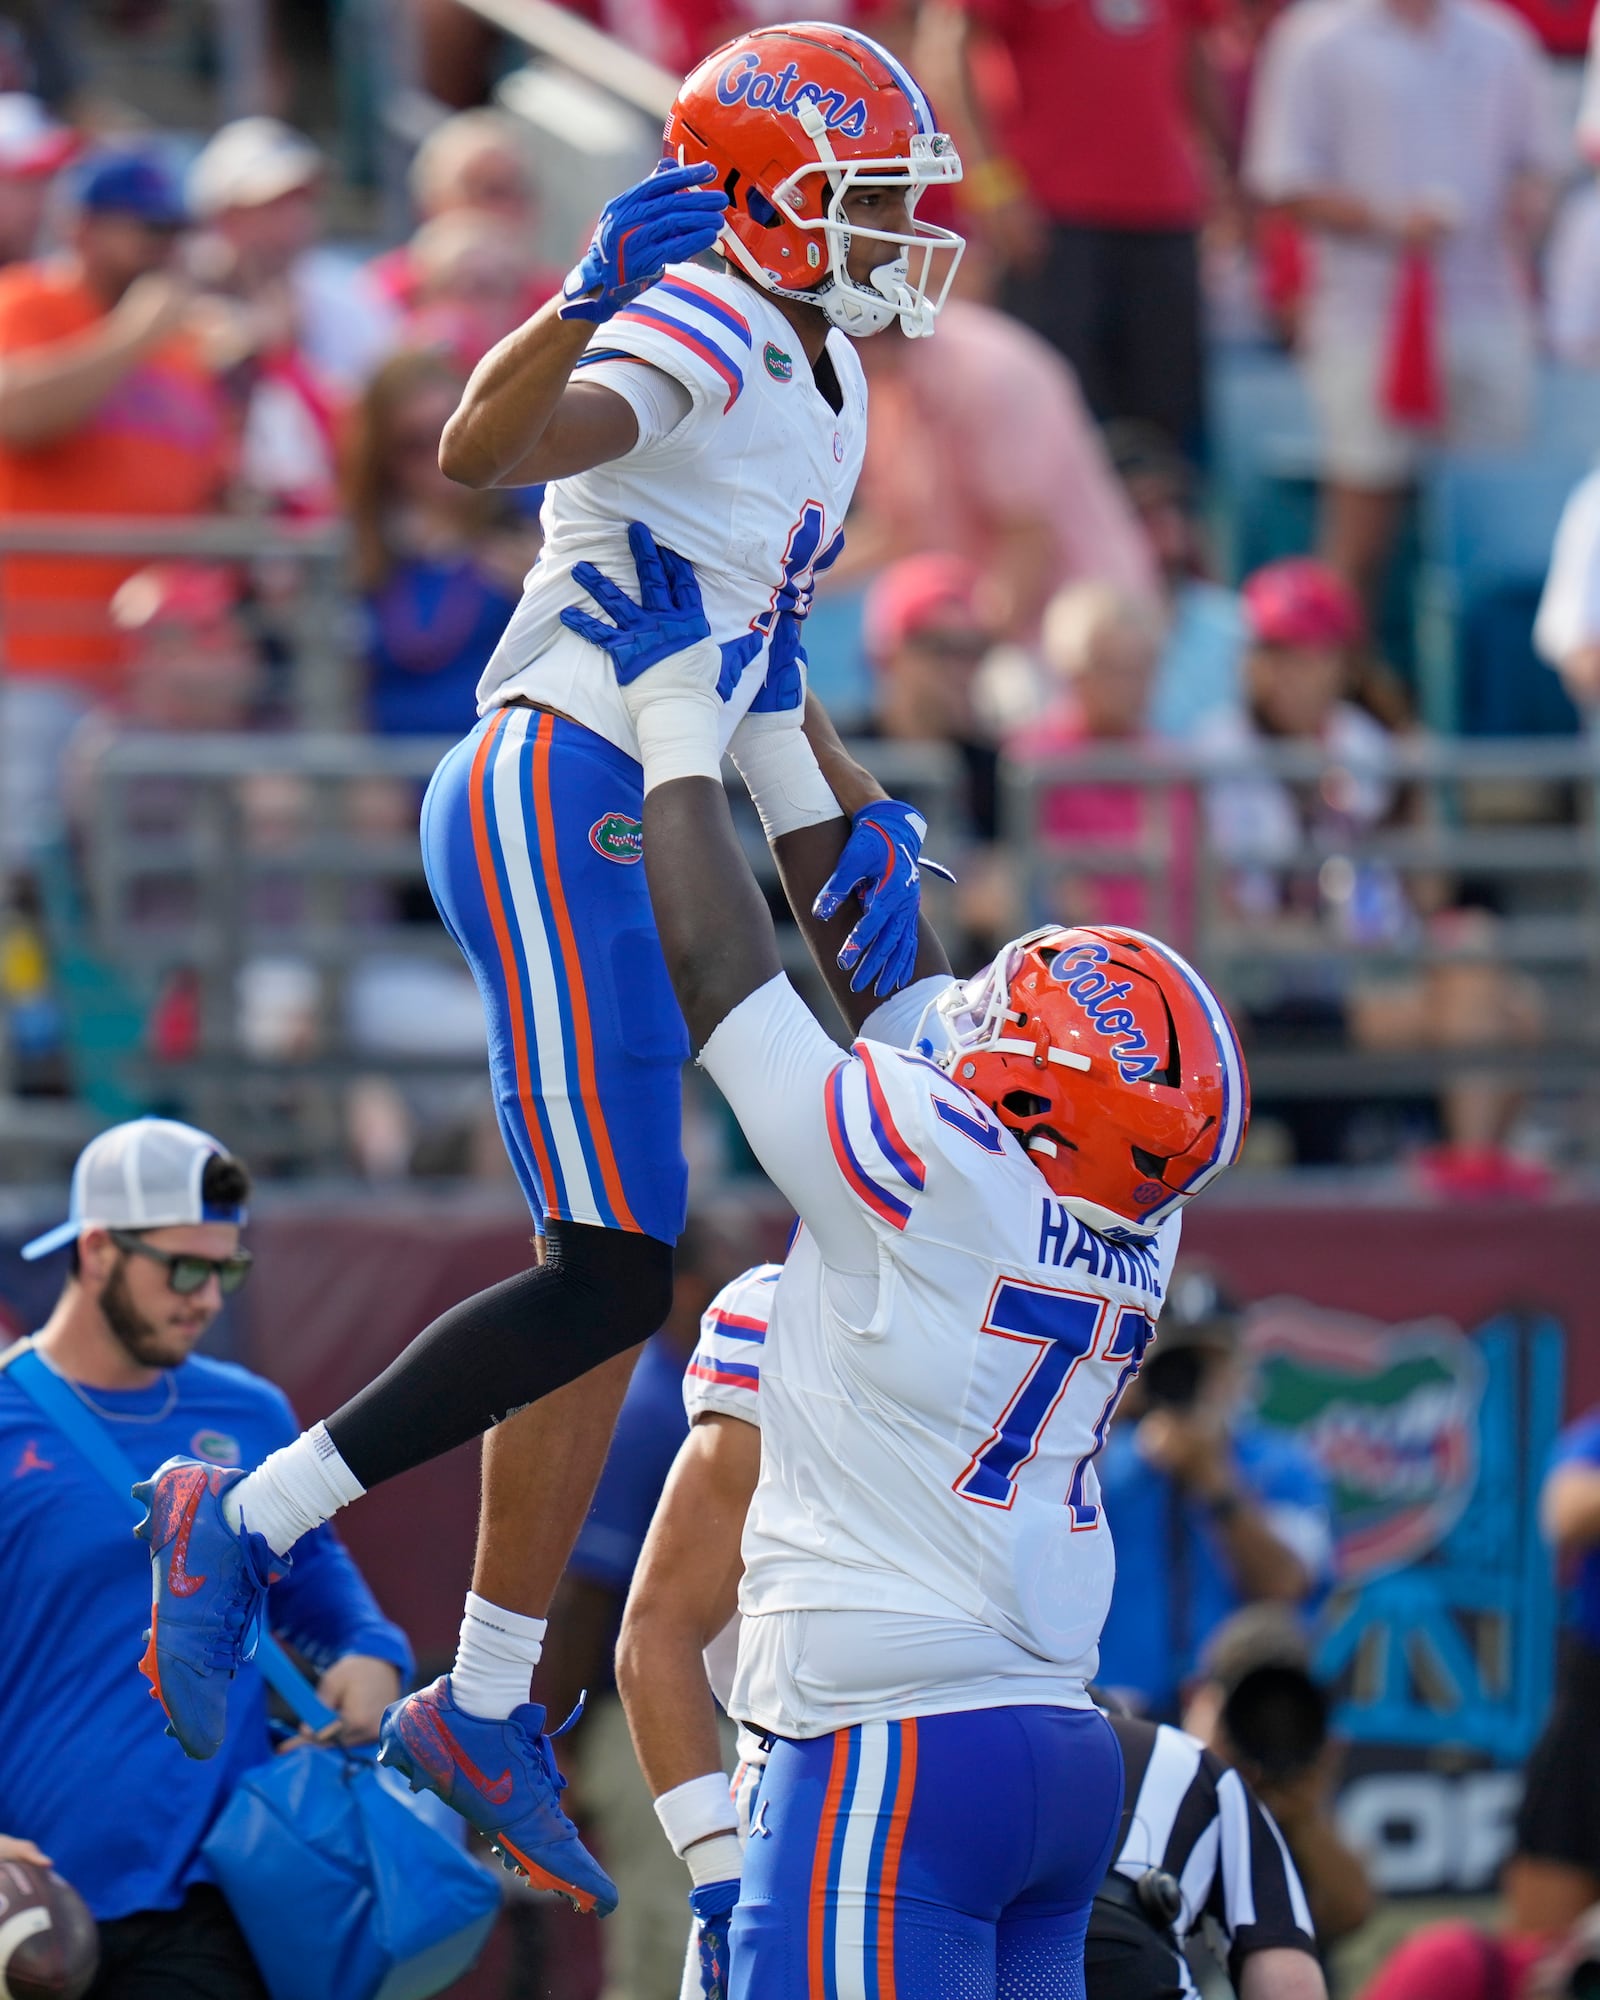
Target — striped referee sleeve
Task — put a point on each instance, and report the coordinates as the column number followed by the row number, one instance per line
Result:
column 1184, row 1811
column 1258, row 1898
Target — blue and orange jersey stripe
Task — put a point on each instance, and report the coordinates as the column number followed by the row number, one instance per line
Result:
column 905, row 1159
column 887, row 1207
column 819, row 1954
column 903, row 1743
column 596, row 1134
column 516, row 1007
column 740, row 1324
column 698, row 343
column 697, row 296
column 731, row 1374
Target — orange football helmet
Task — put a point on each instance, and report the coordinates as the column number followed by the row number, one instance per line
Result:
column 793, row 118
column 1113, row 1062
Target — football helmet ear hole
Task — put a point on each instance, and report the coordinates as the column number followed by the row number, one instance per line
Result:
column 1024, row 1104
column 1150, row 1164
column 1172, row 1075
column 762, row 210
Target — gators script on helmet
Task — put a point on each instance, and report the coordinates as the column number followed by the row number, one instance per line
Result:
column 1113, row 1062
column 793, row 118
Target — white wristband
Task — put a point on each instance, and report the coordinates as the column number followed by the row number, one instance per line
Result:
column 679, row 736
column 697, row 1810
column 719, row 1859
column 782, row 775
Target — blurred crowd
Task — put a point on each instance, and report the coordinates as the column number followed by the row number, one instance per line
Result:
column 1042, row 583
column 1394, row 191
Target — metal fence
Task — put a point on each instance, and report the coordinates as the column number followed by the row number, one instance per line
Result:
column 1509, row 828
column 282, row 876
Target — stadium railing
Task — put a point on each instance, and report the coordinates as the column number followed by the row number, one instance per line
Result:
column 291, row 576
column 279, row 876
column 1513, row 824
column 228, row 859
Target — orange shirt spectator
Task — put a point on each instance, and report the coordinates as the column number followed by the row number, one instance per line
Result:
column 105, row 408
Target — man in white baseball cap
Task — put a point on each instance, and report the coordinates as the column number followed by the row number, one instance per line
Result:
column 154, row 1174
column 153, row 1235
column 34, row 147
column 255, row 188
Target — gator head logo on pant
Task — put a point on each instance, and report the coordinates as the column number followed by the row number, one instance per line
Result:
column 618, row 837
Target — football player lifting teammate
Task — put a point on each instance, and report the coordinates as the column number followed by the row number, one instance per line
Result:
column 727, row 406
column 990, row 1217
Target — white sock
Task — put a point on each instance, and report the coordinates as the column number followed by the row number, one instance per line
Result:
column 495, row 1658
column 293, row 1491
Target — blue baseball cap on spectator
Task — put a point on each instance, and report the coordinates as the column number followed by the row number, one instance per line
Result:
column 131, row 181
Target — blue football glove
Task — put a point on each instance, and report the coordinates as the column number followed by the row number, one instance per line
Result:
column 881, row 864
column 712, row 1904
column 667, row 618
column 664, row 220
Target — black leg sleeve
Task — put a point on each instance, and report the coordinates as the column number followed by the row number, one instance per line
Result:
column 598, row 1293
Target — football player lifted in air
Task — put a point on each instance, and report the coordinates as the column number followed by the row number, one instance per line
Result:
column 727, row 405
column 989, row 1219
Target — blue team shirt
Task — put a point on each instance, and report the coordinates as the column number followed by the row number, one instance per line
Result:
column 86, row 1769
column 650, row 1427
column 1579, row 1444
column 1173, row 1587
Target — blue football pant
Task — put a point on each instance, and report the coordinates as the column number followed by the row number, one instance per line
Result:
column 948, row 1857
column 532, row 843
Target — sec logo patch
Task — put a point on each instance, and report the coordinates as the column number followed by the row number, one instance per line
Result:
column 1148, row 1191
column 618, row 837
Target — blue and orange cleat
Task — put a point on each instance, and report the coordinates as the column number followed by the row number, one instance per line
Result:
column 206, row 1598
column 437, row 1746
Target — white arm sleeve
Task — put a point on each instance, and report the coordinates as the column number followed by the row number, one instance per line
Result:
column 658, row 400
column 896, row 1022
column 771, row 1060
column 780, row 771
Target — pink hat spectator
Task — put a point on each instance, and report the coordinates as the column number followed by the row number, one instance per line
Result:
column 915, row 596
column 32, row 143
column 1301, row 602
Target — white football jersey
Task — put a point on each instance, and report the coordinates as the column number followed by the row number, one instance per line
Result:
column 752, row 486
column 723, row 1378
column 930, row 1454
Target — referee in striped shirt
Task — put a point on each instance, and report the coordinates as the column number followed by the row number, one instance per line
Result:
column 1196, row 1843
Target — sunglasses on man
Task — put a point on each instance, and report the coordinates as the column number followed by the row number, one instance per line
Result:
column 186, row 1273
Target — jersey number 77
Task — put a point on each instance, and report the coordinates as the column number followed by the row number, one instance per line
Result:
column 1060, row 1332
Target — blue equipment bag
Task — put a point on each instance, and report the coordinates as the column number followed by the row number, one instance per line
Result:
column 343, row 1890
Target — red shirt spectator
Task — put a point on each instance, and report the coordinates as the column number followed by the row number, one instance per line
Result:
column 1099, row 122
column 1562, row 26
column 1094, row 212
column 1456, row 1962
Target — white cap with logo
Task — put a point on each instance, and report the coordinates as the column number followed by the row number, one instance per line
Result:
column 146, row 1174
column 252, row 161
